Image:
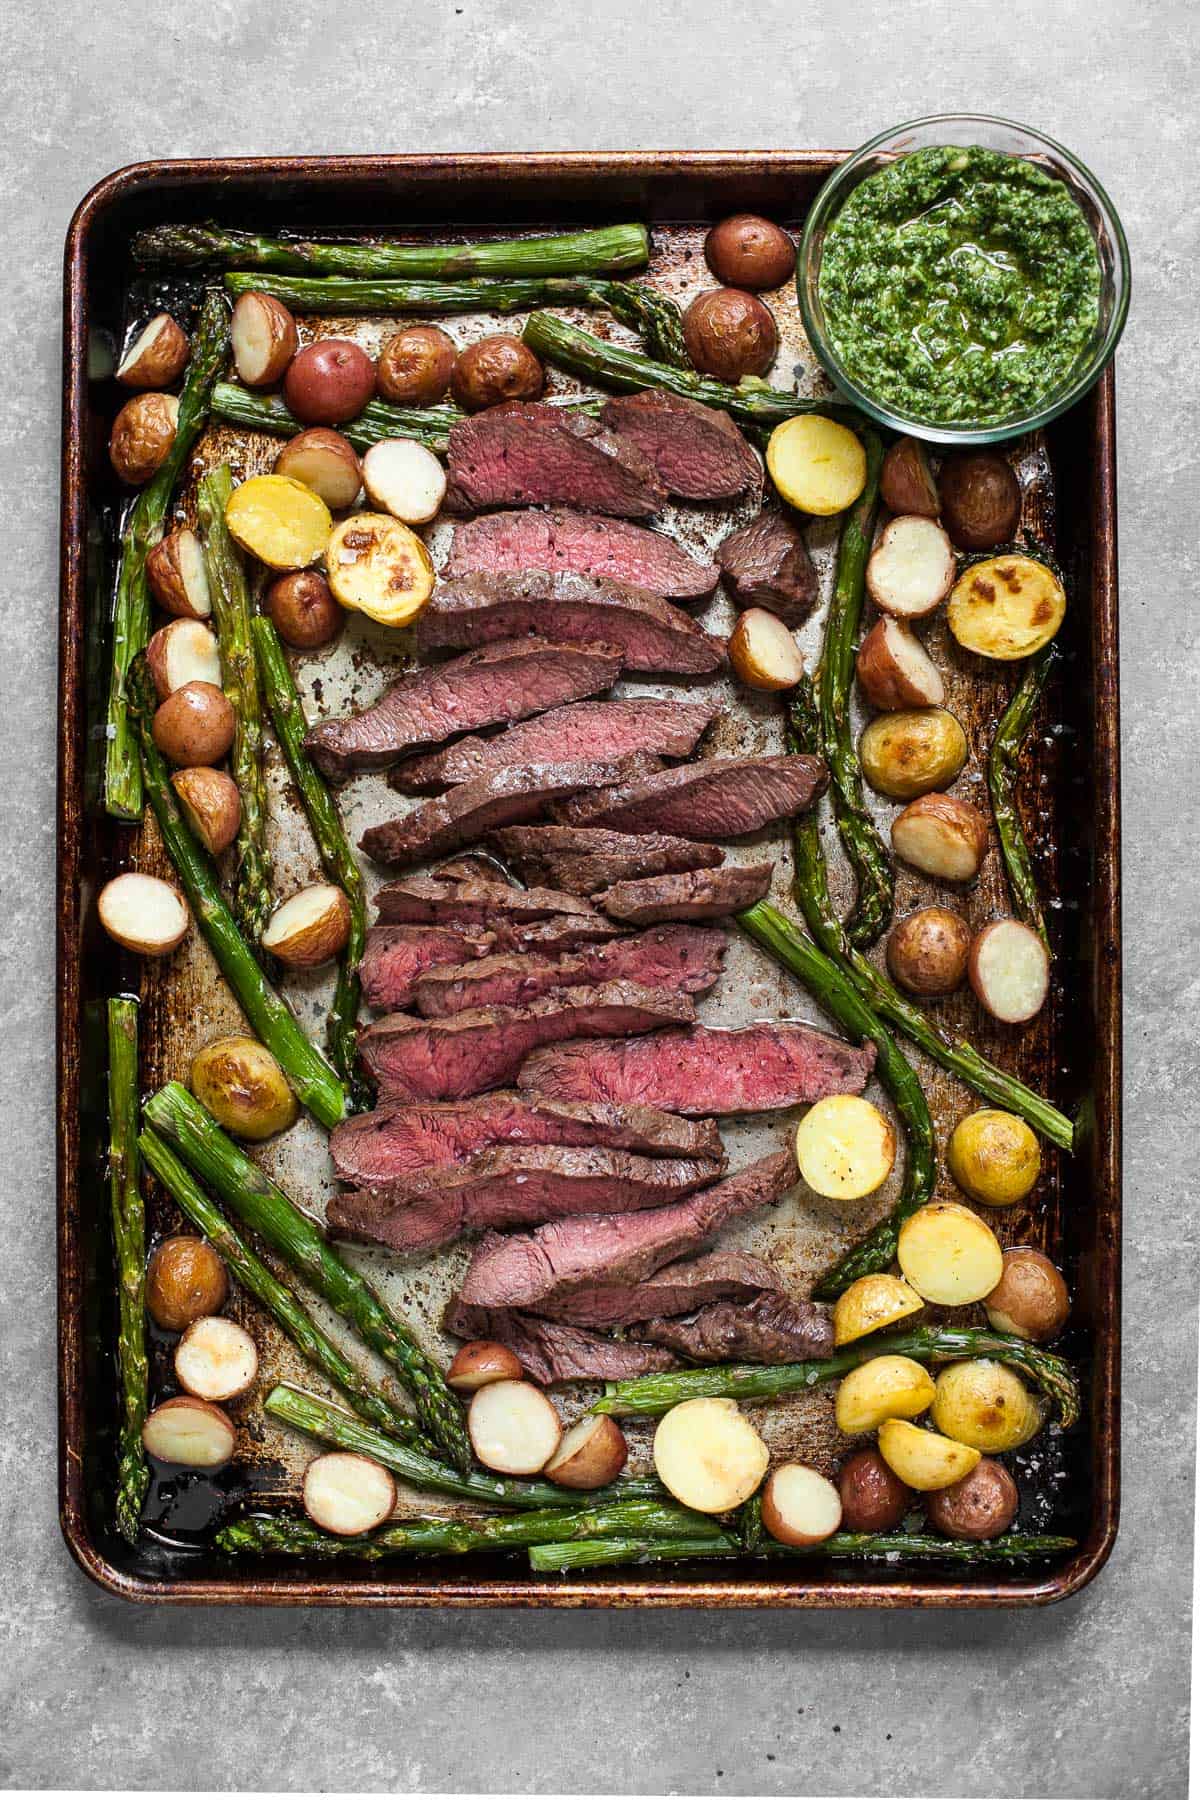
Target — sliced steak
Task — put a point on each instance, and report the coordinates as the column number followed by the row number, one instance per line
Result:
column 425, row 900
column 653, row 636
column 770, row 1328
column 374, row 1149
column 509, row 543
column 680, row 958
column 724, row 797
column 530, row 455
column 549, row 1352
column 397, row 955
column 490, row 686
column 697, row 452
column 767, row 564
column 450, row 1059
column 593, row 731
column 533, row 1269
column 583, row 860
column 696, row 894
column 680, row 1287
column 758, row 1068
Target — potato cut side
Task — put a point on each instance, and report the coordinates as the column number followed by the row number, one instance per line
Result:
column 1009, row 971
column 310, row 928
column 887, row 1387
column 481, row 1362
column 845, row 1147
column 817, row 464
column 379, row 567
column 405, row 479
column 279, row 520
column 348, row 1494
column 143, row 913
column 949, row 1255
column 985, row 1404
column 264, row 339
column 513, row 1427
column 870, row 1304
column 800, row 1506
column 942, row 836
column 895, row 670
column 922, row 1459
column 185, row 650
column 592, row 1454
column 215, row 1359
column 764, row 654
column 192, row 1433
column 1006, row 607
column 911, row 569
column 708, row 1455
column 324, row 461
column 157, row 356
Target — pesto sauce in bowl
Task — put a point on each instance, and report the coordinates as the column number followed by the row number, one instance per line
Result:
column 960, row 285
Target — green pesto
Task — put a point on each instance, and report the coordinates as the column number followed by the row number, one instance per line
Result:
column 960, row 285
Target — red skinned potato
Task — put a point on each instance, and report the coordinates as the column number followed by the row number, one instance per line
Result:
column 981, row 499
column 748, row 252
column 303, row 610
column 906, row 483
column 185, row 650
column 496, row 369
column 264, row 339
column 329, row 382
column 192, row 1433
column 592, row 1453
column 211, row 804
column 980, row 1506
column 873, row 1497
column 764, row 654
column 310, row 928
column 894, row 669
column 415, row 366
column 324, row 461
column 1009, row 971
column 911, row 569
column 347, row 1494
column 729, row 334
column 157, row 356
column 194, row 725
column 513, row 1427
column 799, row 1505
column 927, row 951
column 481, row 1362
column 143, row 913
column 178, row 575
column 942, row 836
column 142, row 434
column 1030, row 1300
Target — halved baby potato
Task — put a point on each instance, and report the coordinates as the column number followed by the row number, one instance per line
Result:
column 513, row 1427
column 1006, row 607
column 985, row 1404
column 193, row 1433
column 310, row 928
column 279, row 520
column 1009, row 970
column 379, row 567
column 143, row 913
column 923, row 1459
column 948, row 1254
column 347, row 1494
column 871, row 1304
column 800, row 1505
column 157, row 355
column 592, row 1453
column 264, row 339
column 911, row 569
column 215, row 1359
column 764, row 654
column 845, row 1147
column 894, row 669
column 818, row 465
column 942, row 836
column 178, row 575
column 185, row 650
column 405, row 479
column 709, row 1455
column 887, row 1387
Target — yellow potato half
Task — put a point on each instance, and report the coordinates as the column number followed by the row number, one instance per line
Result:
column 817, row 464
column 379, row 567
column 870, row 1304
column 279, row 520
column 845, row 1147
column 1006, row 607
column 949, row 1255
column 922, row 1459
column 887, row 1387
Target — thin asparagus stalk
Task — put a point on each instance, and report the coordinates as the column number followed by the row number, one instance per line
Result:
column 289, row 1535
column 333, row 847
column 330, row 1425
column 593, row 1553
column 129, row 1238
column 925, row 1344
column 265, row 1208
column 143, row 529
column 1003, row 759
column 856, row 1546
column 603, row 251
column 307, row 1071
column 239, row 676
column 430, row 425
column 836, row 992
column 283, row 1304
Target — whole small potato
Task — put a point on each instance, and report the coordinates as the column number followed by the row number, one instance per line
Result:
column 329, row 382
column 905, row 754
column 243, row 1087
column 142, row 435
column 211, row 804
column 748, row 252
column 980, row 1506
column 985, row 1404
column 495, row 369
column 1030, row 1300
column 994, row 1157
column 194, row 725
column 981, row 499
column 927, row 950
column 730, row 334
column 324, row 461
column 873, row 1498
column 303, row 610
column 185, row 1281
column 906, row 484
column 415, row 366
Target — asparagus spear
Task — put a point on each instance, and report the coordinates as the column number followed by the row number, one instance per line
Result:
column 430, row 425
column 337, row 859
column 603, row 251
column 231, row 613
column 129, row 1237
column 288, row 1535
column 925, row 1344
column 143, row 529
column 1003, row 757
column 265, row 1208
column 283, row 1304
column 857, row 1546
column 306, row 1069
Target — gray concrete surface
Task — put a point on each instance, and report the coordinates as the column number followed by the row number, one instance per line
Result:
column 1085, row 1700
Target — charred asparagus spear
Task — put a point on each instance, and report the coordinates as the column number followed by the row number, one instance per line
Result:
column 266, row 1209
column 129, row 1238
column 430, row 425
column 143, row 529
column 288, row 1535
column 1003, row 758
column 239, row 676
column 307, row 1071
column 607, row 250
column 856, row 1546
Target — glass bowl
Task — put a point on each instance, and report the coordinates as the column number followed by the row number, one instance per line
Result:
column 1014, row 140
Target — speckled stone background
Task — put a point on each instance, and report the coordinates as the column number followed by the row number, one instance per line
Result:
column 1088, row 1699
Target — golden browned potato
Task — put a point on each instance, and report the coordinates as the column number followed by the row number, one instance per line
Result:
column 325, row 461
column 1006, row 607
column 994, row 1157
column 871, row 1304
column 764, row 654
column 985, row 1404
column 495, row 369
column 194, row 725
column 242, row 1085
column 211, row 804
column 949, row 1254
column 185, row 1280
column 310, row 928
column 379, row 567
column 887, row 1387
column 303, row 610
column 157, row 355
column 415, row 366
column 904, row 754
column 873, row 1497
column 142, row 435
column 942, row 836
column 1030, row 1300
column 924, row 1459
column 981, row 499
column 279, row 520
column 927, row 950
column 980, row 1506
column 894, row 669
column 730, row 334
column 748, row 252
column 264, row 339
column 906, row 483
column 178, row 575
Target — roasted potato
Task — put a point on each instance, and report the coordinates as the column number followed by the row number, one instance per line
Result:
column 348, row 1494
column 887, row 1387
column 994, row 1157
column 178, row 575
column 927, row 951
column 911, row 569
column 513, row 1427
column 216, row 1359
column 708, row 1455
column 310, row 928
column 730, row 334
column 194, row 725
column 845, row 1147
column 1030, row 1300
column 303, row 610
column 800, row 1505
column 873, row 1497
column 894, row 669
column 1006, row 607
column 194, row 1434
column 764, row 654
column 750, row 253
column 379, row 567
column 212, row 805
column 923, row 1459
column 906, row 484
column 404, row 479
column 985, row 1404
column 904, row 754
column 872, row 1303
column 279, row 520
column 980, row 1506
column 142, row 435
column 243, row 1087
column 185, row 1280
column 185, row 650
column 325, row 461
column 480, row 1362
column 942, row 836
column 329, row 382
column 263, row 338
column 157, row 356
column 496, row 369
column 143, row 913
column 948, row 1254
column 415, row 366
column 818, row 465
column 592, row 1453
column 981, row 499
column 1009, row 971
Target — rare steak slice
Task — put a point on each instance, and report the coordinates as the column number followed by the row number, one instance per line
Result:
column 512, row 1184
column 508, row 543
column 697, row 452
column 550, row 1352
column 654, row 637
column 770, row 1328
column 584, row 859
column 757, row 1068
column 374, row 1149
column 450, row 1059
column 681, row 1287
column 724, row 797
column 696, row 894
column 767, row 564
column 425, row 900
column 397, row 955
column 490, row 686
column 685, row 959
column 530, row 455
column 533, row 1269
column 592, row 731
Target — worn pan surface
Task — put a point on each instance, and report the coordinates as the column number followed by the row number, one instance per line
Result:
column 1070, row 803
